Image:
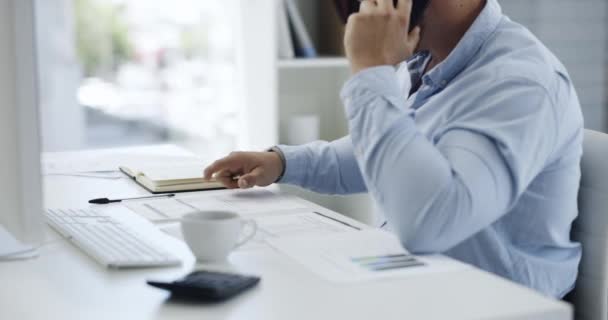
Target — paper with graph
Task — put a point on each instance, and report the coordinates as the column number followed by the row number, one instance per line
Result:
column 359, row 256
column 278, row 216
column 273, row 227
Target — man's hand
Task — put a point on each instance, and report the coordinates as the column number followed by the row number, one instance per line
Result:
column 246, row 169
column 378, row 34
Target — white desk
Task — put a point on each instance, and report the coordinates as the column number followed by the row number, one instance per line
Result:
column 63, row 283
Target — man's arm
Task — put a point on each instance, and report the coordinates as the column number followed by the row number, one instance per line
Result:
column 326, row 167
column 438, row 193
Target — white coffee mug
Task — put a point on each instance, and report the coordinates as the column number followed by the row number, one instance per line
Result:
column 212, row 235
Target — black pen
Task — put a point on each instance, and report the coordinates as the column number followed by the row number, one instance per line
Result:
column 336, row 220
column 106, row 200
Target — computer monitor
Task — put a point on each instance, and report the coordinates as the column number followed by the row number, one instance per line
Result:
column 20, row 177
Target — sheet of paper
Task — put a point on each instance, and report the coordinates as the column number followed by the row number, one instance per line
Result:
column 109, row 175
column 306, row 224
column 337, row 257
column 247, row 203
column 270, row 227
column 161, row 210
column 83, row 163
column 257, row 201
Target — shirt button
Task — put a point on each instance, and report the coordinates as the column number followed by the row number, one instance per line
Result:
column 444, row 83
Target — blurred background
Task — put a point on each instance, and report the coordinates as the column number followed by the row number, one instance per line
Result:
column 128, row 72
column 211, row 75
column 125, row 72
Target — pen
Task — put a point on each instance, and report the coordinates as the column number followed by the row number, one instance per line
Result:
column 106, row 200
column 336, row 220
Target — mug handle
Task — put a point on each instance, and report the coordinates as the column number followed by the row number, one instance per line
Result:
column 254, row 229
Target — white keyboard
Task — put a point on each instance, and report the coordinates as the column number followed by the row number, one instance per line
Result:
column 107, row 240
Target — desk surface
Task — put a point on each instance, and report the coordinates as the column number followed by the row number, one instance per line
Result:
column 63, row 283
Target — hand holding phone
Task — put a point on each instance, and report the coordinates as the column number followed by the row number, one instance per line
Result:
column 347, row 7
column 378, row 34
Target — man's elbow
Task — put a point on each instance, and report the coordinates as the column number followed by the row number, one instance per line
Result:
column 422, row 244
column 428, row 234
column 441, row 226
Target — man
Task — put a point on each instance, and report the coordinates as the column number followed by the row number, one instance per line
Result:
column 471, row 148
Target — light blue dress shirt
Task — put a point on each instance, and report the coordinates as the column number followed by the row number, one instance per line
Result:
column 481, row 163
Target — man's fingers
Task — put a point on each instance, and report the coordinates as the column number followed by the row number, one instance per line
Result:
column 404, row 7
column 227, row 181
column 231, row 163
column 385, row 5
column 367, row 6
column 213, row 168
column 251, row 179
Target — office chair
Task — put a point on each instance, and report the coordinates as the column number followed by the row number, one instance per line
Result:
column 590, row 296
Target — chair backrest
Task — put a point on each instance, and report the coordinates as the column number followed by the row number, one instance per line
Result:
column 590, row 297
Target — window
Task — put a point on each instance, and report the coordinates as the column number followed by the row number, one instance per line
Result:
column 132, row 72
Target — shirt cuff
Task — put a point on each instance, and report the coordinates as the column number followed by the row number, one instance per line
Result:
column 295, row 164
column 282, row 157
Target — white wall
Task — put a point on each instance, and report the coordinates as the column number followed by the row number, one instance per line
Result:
column 20, row 190
column 577, row 32
column 62, row 118
column 256, row 62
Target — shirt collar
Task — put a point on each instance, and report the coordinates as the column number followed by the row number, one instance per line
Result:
column 416, row 66
column 479, row 32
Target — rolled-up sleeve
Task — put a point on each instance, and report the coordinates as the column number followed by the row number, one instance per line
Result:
column 438, row 193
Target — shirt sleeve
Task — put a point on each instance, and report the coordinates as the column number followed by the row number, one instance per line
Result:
column 438, row 191
column 325, row 167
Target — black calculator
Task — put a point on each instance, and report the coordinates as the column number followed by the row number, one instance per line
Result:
column 208, row 286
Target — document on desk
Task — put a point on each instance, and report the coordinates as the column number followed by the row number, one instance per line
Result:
column 106, row 164
column 160, row 210
column 349, row 257
column 304, row 224
column 271, row 227
column 277, row 216
column 247, row 203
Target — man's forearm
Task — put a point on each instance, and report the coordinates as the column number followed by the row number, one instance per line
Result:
column 325, row 167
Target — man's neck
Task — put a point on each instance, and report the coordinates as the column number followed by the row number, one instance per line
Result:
column 444, row 26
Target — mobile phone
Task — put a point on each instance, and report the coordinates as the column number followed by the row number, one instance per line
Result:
column 347, row 7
